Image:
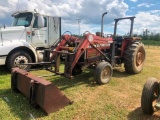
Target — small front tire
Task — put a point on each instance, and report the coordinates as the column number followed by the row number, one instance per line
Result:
column 103, row 73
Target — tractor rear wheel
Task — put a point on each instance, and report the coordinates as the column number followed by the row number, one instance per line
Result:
column 149, row 96
column 103, row 73
column 134, row 57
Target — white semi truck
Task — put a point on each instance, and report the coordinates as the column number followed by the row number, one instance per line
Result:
column 26, row 40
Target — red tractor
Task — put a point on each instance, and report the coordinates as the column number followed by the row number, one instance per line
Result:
column 93, row 51
column 103, row 53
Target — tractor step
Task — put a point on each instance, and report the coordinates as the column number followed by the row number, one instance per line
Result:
column 39, row 91
column 157, row 105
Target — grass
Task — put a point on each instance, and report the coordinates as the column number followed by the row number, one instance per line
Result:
column 119, row 99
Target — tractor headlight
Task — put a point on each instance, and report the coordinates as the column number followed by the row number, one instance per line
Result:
column 90, row 38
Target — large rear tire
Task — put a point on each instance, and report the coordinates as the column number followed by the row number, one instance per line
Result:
column 103, row 73
column 18, row 57
column 134, row 58
column 149, row 95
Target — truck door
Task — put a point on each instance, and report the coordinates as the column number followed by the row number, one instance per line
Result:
column 40, row 35
column 54, row 29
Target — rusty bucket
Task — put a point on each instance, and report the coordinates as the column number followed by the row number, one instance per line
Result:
column 39, row 91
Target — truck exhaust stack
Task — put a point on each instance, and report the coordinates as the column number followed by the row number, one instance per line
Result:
column 39, row 91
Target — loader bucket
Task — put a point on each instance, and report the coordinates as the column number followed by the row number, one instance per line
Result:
column 39, row 91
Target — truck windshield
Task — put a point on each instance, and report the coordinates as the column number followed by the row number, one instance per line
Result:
column 23, row 19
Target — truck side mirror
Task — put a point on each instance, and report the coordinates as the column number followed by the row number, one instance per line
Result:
column 40, row 21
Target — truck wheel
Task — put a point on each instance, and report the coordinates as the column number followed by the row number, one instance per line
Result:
column 149, row 95
column 103, row 73
column 19, row 57
column 134, row 57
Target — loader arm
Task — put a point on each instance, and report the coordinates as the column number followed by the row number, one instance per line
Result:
column 66, row 39
column 89, row 41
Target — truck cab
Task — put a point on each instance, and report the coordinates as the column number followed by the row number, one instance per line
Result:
column 25, row 41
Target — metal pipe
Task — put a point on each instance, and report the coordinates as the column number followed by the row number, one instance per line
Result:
column 79, row 20
column 131, row 29
column 115, row 28
column 1, row 35
column 102, row 24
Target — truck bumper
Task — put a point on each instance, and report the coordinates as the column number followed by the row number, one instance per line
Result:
column 2, row 60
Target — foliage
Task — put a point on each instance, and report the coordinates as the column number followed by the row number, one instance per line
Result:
column 150, row 38
column 153, row 37
column 151, row 42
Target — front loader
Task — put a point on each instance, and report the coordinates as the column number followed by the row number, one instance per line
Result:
column 91, row 51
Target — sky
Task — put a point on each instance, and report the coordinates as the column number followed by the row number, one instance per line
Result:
column 147, row 13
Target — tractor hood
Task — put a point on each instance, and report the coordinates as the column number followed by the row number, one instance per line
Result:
column 12, row 33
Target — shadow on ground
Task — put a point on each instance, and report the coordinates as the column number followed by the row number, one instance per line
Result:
column 118, row 73
column 86, row 78
column 4, row 70
column 137, row 115
column 19, row 105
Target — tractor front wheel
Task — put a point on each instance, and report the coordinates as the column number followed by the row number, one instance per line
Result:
column 149, row 96
column 103, row 73
column 134, row 57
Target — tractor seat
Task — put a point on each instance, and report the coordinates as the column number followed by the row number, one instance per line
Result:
column 118, row 42
column 119, row 38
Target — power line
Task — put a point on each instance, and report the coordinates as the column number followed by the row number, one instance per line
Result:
column 17, row 5
column 79, row 20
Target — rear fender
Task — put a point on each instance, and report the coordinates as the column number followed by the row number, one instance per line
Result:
column 126, row 42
